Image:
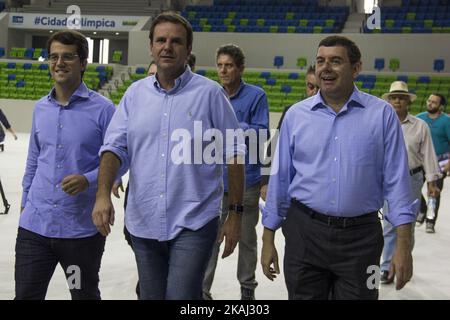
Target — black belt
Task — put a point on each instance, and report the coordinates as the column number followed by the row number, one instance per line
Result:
column 341, row 222
column 415, row 170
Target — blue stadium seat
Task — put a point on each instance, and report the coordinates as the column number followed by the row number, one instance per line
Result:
column 286, row 89
column 423, row 79
column 201, row 72
column 265, row 75
column 379, row 64
column 2, row 52
column 271, row 82
column 293, row 76
column 438, row 65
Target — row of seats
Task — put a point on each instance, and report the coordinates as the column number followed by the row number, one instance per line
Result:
column 273, row 19
column 286, row 88
column 266, row 2
column 266, row 29
column 32, row 80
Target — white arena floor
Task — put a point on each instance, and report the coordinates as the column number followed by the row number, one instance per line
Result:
column 118, row 273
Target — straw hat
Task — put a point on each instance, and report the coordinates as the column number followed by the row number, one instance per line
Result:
column 399, row 87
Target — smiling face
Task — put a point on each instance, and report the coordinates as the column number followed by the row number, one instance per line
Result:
column 169, row 48
column 334, row 72
column 65, row 65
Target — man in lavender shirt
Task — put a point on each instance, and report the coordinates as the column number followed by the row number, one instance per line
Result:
column 340, row 154
column 60, row 179
column 169, row 131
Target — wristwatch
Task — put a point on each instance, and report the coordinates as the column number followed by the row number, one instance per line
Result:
column 238, row 208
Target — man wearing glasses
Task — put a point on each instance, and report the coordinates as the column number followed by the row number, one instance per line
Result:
column 60, row 179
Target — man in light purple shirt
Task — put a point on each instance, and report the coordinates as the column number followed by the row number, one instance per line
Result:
column 340, row 154
column 169, row 131
column 60, row 179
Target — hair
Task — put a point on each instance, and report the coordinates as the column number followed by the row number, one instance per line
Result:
column 71, row 37
column 443, row 100
column 353, row 52
column 173, row 17
column 311, row 70
column 234, row 52
column 191, row 59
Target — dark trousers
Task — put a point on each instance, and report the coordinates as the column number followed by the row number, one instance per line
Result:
column 37, row 257
column 423, row 203
column 324, row 261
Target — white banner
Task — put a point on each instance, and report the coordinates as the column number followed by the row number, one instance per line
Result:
column 79, row 22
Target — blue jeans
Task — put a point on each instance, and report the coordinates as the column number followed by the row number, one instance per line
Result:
column 37, row 257
column 174, row 269
column 389, row 233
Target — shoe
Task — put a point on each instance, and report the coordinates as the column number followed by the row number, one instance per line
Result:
column 420, row 219
column 430, row 228
column 384, row 279
column 2, row 147
column 247, row 294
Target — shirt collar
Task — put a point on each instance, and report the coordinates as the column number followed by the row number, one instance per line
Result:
column 355, row 100
column 81, row 92
column 180, row 82
column 409, row 118
column 241, row 86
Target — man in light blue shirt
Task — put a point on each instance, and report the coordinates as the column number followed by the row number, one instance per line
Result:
column 340, row 154
column 250, row 105
column 169, row 131
column 60, row 179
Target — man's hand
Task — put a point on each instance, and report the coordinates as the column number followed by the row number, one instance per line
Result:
column 103, row 215
column 446, row 169
column 115, row 189
column 74, row 184
column 402, row 262
column 269, row 255
column 231, row 232
column 433, row 190
column 263, row 192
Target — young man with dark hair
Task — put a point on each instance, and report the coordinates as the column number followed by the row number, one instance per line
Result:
column 173, row 206
column 340, row 154
column 439, row 124
column 60, row 179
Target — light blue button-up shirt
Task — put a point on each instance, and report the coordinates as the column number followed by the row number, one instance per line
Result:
column 64, row 140
column 158, row 135
column 341, row 164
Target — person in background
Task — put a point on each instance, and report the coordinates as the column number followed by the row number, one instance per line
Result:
column 4, row 121
column 439, row 124
column 252, row 111
column 421, row 158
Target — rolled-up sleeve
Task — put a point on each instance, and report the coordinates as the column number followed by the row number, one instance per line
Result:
column 116, row 135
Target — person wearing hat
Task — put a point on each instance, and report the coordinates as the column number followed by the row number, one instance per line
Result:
column 421, row 157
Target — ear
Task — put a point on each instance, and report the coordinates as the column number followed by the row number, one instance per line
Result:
column 357, row 67
column 83, row 65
